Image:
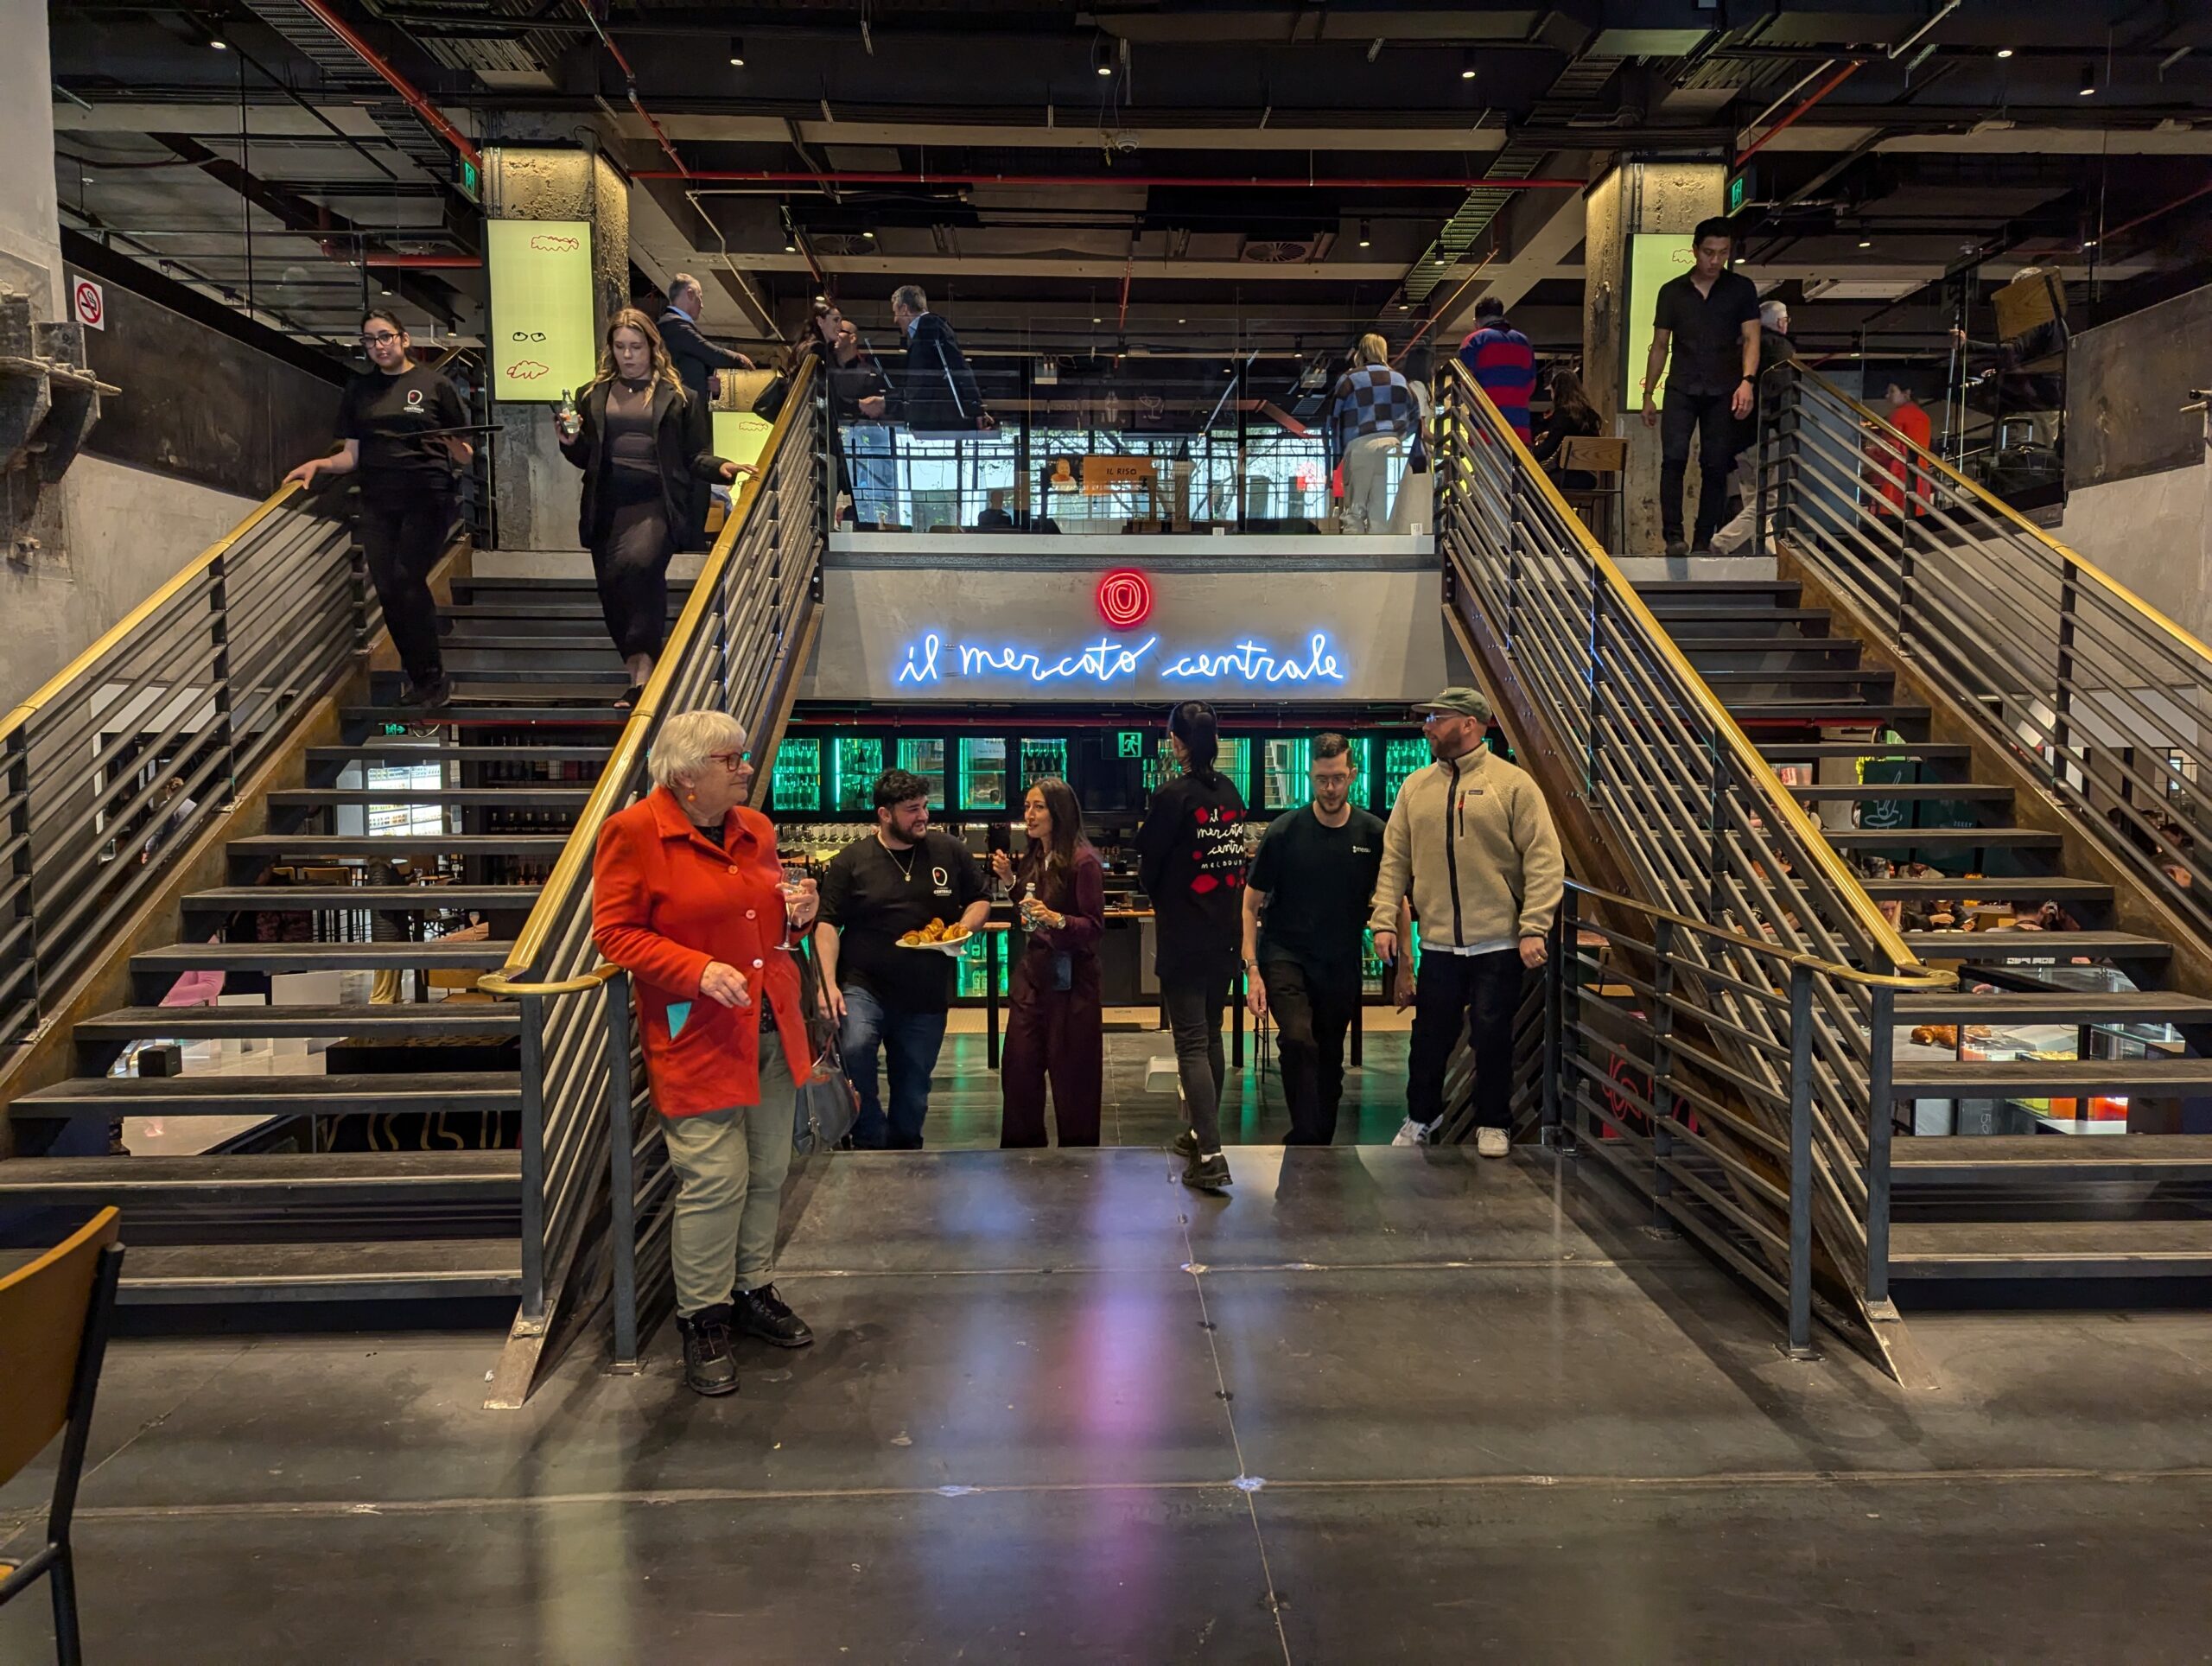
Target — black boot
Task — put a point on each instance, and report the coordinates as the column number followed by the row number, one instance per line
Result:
column 708, row 1367
column 763, row 1314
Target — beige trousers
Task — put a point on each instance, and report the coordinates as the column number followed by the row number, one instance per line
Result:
column 729, row 1167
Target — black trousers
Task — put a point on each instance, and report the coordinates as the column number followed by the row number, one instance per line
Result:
column 1313, row 1016
column 402, row 540
column 1708, row 416
column 1483, row 991
column 630, row 560
column 1194, row 997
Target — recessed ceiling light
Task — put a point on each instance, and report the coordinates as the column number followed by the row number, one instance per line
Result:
column 1098, row 321
column 2088, row 243
column 2003, row 52
column 218, row 43
column 870, row 236
column 1405, row 306
column 737, row 52
column 1866, row 242
column 1182, row 321
column 1467, row 66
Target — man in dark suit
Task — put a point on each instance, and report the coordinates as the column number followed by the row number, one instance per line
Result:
column 936, row 391
column 696, row 359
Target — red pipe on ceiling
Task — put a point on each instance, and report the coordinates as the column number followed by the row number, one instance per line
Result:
column 1819, row 93
column 772, row 176
column 421, row 106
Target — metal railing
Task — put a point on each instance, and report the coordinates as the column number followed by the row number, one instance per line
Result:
column 592, row 1156
column 198, row 684
column 1701, row 819
column 1641, row 1070
column 2108, row 699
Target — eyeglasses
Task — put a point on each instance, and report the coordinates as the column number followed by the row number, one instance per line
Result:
column 378, row 339
column 730, row 760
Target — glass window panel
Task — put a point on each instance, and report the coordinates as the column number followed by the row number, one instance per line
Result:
column 982, row 773
column 927, row 760
column 854, row 765
column 796, row 783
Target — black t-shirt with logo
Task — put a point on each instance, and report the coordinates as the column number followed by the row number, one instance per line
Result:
column 1317, row 880
column 388, row 414
column 874, row 896
column 1190, row 861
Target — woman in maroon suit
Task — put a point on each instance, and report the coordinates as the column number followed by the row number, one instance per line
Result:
column 1055, row 1026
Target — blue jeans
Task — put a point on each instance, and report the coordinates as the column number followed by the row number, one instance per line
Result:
column 912, row 1039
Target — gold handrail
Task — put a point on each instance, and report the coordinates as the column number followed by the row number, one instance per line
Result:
column 54, row 685
column 2084, row 567
column 575, row 860
column 1747, row 759
column 1926, row 978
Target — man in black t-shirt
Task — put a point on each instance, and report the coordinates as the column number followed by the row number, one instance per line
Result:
column 1305, row 913
column 1710, row 317
column 877, row 889
column 395, row 429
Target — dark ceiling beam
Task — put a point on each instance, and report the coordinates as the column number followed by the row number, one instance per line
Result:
column 300, row 214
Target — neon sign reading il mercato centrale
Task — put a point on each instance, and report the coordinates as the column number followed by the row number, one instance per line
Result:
column 1100, row 663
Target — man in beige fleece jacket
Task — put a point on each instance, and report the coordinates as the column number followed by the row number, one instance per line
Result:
column 1470, row 841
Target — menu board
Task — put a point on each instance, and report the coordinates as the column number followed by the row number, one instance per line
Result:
column 542, row 339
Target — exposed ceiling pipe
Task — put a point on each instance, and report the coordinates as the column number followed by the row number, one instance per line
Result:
column 630, row 81
column 432, row 116
column 1822, row 91
column 1210, row 182
column 2128, row 226
column 409, row 263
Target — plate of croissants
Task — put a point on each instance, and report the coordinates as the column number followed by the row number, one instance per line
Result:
column 946, row 940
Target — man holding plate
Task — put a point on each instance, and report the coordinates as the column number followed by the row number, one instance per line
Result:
column 885, row 994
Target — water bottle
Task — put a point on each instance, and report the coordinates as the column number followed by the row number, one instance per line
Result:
column 565, row 417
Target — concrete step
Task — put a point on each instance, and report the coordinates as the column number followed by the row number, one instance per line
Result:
column 1925, row 792
column 400, row 1021
column 398, row 898
column 1991, row 947
column 2159, row 1076
column 261, row 1181
column 2047, row 1158
column 2015, row 1250
column 470, row 1092
column 2054, row 1007
column 398, row 1269
column 1935, row 840
column 2033, row 888
column 527, row 795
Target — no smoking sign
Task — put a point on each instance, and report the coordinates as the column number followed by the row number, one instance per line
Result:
column 88, row 304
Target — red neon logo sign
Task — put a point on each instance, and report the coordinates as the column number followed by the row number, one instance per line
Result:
column 1124, row 599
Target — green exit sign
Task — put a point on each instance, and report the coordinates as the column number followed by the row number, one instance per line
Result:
column 1129, row 743
column 395, row 728
column 468, row 179
column 1738, row 188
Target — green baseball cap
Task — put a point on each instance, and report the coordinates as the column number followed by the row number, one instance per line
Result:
column 1461, row 703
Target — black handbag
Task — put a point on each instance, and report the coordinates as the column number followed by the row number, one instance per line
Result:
column 826, row 1105
column 768, row 404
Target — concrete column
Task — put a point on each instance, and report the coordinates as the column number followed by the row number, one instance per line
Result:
column 1636, row 196
column 537, row 488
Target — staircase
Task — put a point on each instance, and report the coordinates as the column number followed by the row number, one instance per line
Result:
column 1990, row 1177
column 383, row 1160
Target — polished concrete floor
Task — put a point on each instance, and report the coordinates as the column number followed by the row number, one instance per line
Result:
column 1140, row 1108
column 1373, row 1405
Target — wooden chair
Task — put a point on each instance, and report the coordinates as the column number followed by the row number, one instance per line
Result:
column 1599, row 506
column 53, row 1324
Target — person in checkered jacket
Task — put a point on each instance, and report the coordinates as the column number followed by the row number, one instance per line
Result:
column 1372, row 414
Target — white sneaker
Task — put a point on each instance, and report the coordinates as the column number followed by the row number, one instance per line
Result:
column 1492, row 1142
column 1410, row 1133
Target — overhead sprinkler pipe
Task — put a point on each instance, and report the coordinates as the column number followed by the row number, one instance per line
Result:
column 1303, row 182
column 432, row 116
column 1819, row 93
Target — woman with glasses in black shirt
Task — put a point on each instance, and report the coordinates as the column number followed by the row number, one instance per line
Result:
column 396, row 427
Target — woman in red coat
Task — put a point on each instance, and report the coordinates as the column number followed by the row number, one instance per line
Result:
column 689, row 899
column 1055, row 1025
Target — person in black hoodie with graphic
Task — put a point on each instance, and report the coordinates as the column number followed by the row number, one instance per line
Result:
column 1191, row 861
